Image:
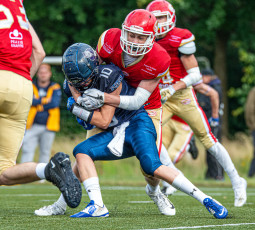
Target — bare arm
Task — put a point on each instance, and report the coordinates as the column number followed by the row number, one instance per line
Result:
column 38, row 52
column 102, row 117
column 214, row 97
column 189, row 61
column 148, row 85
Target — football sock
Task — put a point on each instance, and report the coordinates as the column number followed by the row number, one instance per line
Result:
column 166, row 160
column 93, row 189
column 154, row 189
column 183, row 184
column 222, row 156
column 39, row 170
column 61, row 202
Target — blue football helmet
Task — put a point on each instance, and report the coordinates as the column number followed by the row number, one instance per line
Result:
column 79, row 64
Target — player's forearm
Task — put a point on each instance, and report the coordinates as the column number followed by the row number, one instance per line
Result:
column 110, row 99
column 214, row 97
column 101, row 121
column 133, row 102
column 213, row 94
column 179, row 85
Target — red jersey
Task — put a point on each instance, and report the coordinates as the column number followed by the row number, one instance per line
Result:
column 171, row 42
column 15, row 38
column 154, row 64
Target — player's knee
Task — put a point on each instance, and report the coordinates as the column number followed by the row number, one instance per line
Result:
column 149, row 165
column 80, row 150
column 4, row 179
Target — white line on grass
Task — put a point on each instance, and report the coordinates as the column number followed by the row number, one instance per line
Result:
column 204, row 226
column 140, row 202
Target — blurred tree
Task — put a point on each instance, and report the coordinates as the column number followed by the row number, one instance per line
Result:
column 219, row 25
column 64, row 22
column 239, row 95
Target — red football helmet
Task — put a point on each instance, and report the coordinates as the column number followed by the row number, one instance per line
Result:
column 140, row 22
column 163, row 8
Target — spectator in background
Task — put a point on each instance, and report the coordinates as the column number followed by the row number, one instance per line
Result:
column 44, row 116
column 250, row 122
column 214, row 170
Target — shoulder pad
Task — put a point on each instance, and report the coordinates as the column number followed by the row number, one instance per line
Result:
column 186, row 36
column 110, row 77
column 161, row 60
column 108, row 41
column 188, row 48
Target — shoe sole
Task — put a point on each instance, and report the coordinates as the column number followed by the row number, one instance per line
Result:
column 68, row 183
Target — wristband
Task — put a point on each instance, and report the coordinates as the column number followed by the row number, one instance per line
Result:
column 81, row 112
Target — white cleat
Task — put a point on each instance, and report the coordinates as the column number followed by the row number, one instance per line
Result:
column 168, row 190
column 50, row 210
column 240, row 193
column 164, row 204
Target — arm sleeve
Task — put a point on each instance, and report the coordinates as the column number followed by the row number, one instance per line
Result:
column 136, row 101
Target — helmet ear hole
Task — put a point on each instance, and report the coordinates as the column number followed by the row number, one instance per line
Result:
column 78, row 63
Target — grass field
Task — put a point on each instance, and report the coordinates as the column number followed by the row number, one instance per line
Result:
column 129, row 207
column 123, row 190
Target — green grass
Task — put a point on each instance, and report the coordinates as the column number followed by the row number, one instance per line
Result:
column 17, row 205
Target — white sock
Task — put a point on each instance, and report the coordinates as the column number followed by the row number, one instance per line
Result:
column 166, row 160
column 153, row 189
column 39, row 170
column 183, row 184
column 61, row 202
column 93, row 189
column 222, row 156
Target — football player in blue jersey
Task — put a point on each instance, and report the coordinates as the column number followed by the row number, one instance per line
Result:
column 126, row 133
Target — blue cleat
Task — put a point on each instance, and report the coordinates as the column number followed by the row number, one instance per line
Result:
column 215, row 208
column 92, row 210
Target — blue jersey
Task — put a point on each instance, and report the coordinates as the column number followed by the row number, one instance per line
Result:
column 108, row 79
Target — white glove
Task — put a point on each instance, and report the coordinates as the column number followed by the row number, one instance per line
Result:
column 167, row 93
column 91, row 99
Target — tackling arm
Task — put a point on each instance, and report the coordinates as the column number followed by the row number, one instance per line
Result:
column 143, row 92
column 101, row 118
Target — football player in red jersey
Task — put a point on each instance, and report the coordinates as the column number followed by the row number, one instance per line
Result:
column 133, row 50
column 144, row 63
column 21, row 53
column 178, row 93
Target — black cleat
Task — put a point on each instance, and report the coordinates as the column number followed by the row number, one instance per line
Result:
column 60, row 173
column 193, row 148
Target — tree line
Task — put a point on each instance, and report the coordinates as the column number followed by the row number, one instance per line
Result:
column 224, row 31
